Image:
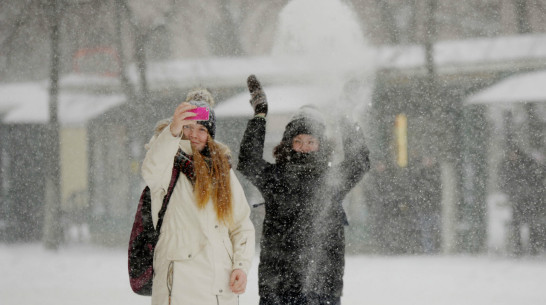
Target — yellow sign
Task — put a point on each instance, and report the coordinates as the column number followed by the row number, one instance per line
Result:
column 401, row 139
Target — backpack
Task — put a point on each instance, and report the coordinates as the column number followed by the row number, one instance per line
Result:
column 144, row 236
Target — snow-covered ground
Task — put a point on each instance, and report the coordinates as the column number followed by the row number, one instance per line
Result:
column 84, row 274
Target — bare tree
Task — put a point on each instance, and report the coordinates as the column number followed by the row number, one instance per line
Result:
column 10, row 28
column 23, row 58
column 145, row 18
column 127, row 87
column 522, row 16
column 388, row 21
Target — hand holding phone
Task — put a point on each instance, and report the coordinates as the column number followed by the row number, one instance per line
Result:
column 201, row 114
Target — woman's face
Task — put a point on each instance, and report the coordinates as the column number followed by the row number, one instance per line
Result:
column 197, row 134
column 305, row 143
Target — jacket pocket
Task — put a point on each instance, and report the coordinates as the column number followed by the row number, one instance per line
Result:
column 180, row 250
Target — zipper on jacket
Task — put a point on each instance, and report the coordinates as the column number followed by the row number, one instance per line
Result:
column 227, row 251
column 170, row 278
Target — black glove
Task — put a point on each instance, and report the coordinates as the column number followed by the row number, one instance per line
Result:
column 258, row 100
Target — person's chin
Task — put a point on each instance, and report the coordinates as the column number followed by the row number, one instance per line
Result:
column 197, row 147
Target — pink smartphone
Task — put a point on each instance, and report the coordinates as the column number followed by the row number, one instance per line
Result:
column 201, row 114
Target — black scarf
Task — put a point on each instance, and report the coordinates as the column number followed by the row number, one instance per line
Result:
column 306, row 164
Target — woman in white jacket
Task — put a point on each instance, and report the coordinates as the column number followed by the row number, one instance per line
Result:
column 206, row 243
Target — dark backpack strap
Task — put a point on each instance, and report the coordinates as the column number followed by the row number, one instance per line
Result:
column 174, row 177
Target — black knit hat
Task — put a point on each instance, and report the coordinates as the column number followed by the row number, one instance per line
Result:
column 203, row 98
column 308, row 120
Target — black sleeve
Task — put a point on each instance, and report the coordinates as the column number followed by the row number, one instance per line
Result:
column 251, row 163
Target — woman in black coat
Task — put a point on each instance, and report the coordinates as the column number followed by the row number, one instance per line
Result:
column 303, row 241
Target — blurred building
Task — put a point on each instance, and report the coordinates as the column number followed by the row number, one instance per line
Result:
column 146, row 56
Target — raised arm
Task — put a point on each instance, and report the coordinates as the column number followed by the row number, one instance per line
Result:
column 251, row 162
column 157, row 165
column 356, row 158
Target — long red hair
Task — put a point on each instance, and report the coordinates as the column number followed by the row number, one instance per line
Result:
column 212, row 180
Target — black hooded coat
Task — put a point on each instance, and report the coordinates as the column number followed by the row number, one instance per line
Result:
column 303, row 241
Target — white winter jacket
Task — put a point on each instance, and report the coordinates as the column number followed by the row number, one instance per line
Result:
column 194, row 249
